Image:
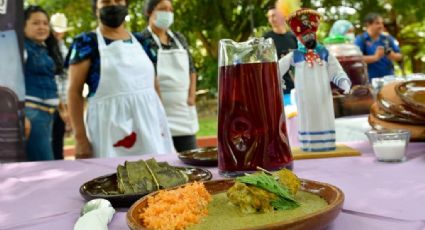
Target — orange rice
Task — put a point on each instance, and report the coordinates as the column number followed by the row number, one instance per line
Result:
column 176, row 209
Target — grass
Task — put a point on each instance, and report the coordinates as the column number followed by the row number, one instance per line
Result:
column 69, row 141
column 207, row 127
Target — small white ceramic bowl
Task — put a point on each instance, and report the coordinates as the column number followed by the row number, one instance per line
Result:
column 389, row 144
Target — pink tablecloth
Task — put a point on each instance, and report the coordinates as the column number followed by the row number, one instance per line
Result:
column 44, row 195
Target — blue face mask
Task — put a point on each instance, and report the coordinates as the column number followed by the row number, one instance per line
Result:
column 164, row 19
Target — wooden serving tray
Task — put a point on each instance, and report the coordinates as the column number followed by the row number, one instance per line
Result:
column 341, row 151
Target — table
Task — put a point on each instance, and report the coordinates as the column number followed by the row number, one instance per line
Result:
column 44, row 195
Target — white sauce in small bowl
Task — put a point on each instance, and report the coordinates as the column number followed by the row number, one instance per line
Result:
column 390, row 150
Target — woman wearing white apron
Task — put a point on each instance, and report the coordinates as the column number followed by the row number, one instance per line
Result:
column 175, row 72
column 124, row 113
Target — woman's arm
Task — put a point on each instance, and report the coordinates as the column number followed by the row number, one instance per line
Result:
column 191, row 100
column 78, row 73
column 157, row 87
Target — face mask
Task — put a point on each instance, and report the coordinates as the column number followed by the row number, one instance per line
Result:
column 164, row 19
column 310, row 44
column 309, row 40
column 113, row 16
column 350, row 36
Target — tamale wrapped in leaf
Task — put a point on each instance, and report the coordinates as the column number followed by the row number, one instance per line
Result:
column 148, row 176
column 124, row 185
column 166, row 175
column 140, row 177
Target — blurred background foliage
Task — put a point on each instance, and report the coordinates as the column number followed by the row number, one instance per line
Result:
column 205, row 22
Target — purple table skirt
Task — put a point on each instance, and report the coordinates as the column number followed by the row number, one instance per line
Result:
column 44, row 195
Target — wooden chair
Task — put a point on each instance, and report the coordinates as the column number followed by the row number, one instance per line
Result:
column 12, row 127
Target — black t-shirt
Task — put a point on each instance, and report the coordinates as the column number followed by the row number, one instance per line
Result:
column 284, row 44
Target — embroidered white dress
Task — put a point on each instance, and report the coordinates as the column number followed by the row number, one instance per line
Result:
column 316, row 121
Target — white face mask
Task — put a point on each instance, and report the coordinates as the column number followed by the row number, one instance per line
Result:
column 350, row 36
column 164, row 19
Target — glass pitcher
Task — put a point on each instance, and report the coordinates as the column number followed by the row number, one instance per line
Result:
column 251, row 118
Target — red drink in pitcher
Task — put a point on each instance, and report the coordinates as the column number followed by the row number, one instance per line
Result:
column 251, row 119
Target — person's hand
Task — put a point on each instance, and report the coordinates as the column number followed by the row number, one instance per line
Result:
column 191, row 100
column 64, row 114
column 65, row 118
column 83, row 149
column 379, row 53
column 345, row 86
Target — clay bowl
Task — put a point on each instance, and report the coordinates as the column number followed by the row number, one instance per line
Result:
column 417, row 131
column 316, row 220
column 97, row 187
column 357, row 102
column 390, row 102
column 413, row 94
column 381, row 114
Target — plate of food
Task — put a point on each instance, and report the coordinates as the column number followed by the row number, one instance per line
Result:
column 254, row 201
column 206, row 156
column 134, row 180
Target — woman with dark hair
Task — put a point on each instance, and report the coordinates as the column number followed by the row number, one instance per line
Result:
column 124, row 113
column 43, row 61
column 175, row 72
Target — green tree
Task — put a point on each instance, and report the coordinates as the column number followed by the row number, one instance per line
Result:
column 205, row 22
column 404, row 20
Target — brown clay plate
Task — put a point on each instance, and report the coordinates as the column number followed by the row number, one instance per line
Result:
column 316, row 220
column 202, row 156
column 413, row 94
column 106, row 187
column 378, row 112
column 389, row 101
column 417, row 132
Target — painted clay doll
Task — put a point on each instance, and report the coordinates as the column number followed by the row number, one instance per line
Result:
column 315, row 67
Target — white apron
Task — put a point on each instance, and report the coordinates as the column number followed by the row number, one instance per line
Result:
column 174, row 80
column 125, row 116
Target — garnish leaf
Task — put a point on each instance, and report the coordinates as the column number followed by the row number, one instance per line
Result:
column 267, row 182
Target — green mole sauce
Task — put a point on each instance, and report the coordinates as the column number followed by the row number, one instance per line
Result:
column 223, row 215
